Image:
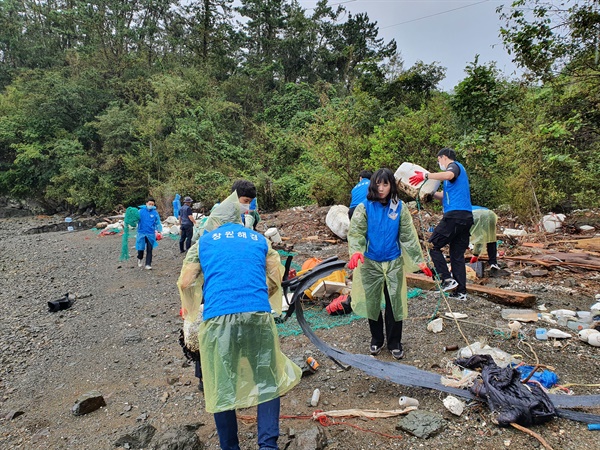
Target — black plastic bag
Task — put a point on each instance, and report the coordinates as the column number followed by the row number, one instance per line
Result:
column 60, row 304
column 513, row 401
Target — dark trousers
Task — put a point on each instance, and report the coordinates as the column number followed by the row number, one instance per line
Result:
column 268, row 426
column 351, row 212
column 492, row 249
column 393, row 328
column 198, row 369
column 187, row 231
column 148, row 252
column 454, row 233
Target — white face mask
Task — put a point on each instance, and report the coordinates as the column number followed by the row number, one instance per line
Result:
column 442, row 167
column 245, row 207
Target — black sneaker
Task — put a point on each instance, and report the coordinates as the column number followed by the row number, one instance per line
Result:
column 375, row 349
column 397, row 353
column 448, row 284
column 458, row 296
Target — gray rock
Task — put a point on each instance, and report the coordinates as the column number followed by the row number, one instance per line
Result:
column 311, row 439
column 180, row 438
column 132, row 337
column 13, row 414
column 422, row 424
column 88, row 403
column 139, row 437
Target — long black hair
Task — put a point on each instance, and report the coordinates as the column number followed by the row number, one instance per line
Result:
column 382, row 175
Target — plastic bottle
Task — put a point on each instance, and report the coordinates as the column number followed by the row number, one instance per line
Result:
column 314, row 401
column 273, row 235
column 577, row 325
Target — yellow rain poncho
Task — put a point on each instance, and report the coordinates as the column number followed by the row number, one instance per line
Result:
column 483, row 229
column 368, row 279
column 242, row 364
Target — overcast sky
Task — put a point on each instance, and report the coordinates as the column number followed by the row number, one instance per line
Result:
column 449, row 32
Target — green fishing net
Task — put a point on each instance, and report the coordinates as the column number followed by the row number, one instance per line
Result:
column 318, row 318
column 284, row 255
column 132, row 217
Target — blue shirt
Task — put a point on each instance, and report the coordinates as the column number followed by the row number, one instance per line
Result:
column 383, row 225
column 359, row 193
column 234, row 263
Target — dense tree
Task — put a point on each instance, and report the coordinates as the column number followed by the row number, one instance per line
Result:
column 104, row 102
column 548, row 37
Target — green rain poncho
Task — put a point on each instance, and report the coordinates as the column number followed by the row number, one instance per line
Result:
column 236, row 376
column 483, row 229
column 368, row 278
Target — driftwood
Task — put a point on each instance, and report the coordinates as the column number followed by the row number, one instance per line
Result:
column 589, row 244
column 501, row 296
column 580, row 260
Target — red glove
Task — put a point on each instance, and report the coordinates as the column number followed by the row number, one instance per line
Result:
column 354, row 259
column 158, row 235
column 416, row 178
column 426, row 270
column 474, row 259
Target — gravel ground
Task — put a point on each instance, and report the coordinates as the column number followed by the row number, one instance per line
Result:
column 121, row 338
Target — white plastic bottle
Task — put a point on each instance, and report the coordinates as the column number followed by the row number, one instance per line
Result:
column 407, row 170
column 314, row 401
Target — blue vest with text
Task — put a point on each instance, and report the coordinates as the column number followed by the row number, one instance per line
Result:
column 233, row 259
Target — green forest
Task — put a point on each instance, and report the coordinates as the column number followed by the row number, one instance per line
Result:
column 105, row 102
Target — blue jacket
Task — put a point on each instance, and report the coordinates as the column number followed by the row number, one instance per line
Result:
column 383, row 224
column 359, row 193
column 234, row 285
column 148, row 224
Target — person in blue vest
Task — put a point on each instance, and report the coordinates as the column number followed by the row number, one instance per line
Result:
column 384, row 245
column 186, row 223
column 147, row 227
column 454, row 228
column 238, row 280
column 483, row 232
column 359, row 192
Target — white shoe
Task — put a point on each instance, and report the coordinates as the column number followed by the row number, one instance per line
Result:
column 458, row 296
column 494, row 266
column 449, row 284
column 148, row 267
column 140, row 263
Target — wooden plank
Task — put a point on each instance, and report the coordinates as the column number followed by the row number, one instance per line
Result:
column 501, row 296
column 589, row 244
column 528, row 259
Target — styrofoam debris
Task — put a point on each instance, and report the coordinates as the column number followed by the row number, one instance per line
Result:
column 456, row 315
column 557, row 334
column 436, row 325
column 454, row 405
column 584, row 335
